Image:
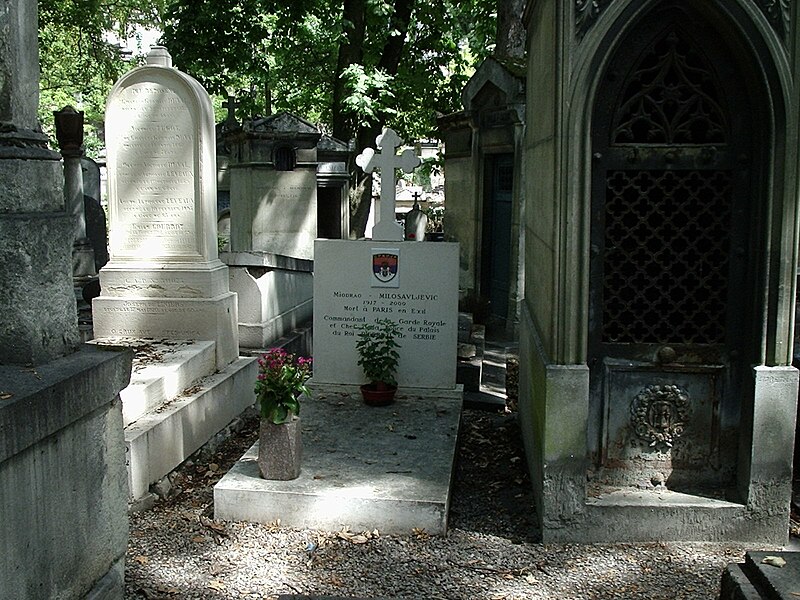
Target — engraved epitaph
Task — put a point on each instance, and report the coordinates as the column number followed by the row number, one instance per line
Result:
column 424, row 303
column 161, row 197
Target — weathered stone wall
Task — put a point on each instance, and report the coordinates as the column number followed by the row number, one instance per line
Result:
column 38, row 320
column 460, row 219
column 543, row 170
column 64, row 488
column 537, row 321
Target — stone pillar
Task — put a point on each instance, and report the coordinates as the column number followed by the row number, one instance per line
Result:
column 62, row 450
column 69, row 132
column 39, row 320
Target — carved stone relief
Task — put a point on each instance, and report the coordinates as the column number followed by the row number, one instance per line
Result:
column 586, row 13
column 778, row 12
column 659, row 414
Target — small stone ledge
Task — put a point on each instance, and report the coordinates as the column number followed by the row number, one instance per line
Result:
column 266, row 259
column 49, row 397
column 763, row 576
column 112, row 585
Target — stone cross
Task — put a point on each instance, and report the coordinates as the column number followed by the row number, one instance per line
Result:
column 387, row 161
column 231, row 105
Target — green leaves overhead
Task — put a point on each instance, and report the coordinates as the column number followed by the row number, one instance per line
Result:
column 79, row 55
column 295, row 48
column 349, row 66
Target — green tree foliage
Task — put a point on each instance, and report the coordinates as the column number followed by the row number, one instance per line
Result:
column 351, row 66
column 78, row 62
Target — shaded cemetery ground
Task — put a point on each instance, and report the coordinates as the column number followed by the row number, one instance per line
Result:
column 177, row 551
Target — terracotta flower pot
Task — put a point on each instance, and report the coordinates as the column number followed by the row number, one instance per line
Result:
column 378, row 394
column 280, row 449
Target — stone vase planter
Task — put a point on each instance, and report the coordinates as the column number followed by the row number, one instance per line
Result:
column 280, row 449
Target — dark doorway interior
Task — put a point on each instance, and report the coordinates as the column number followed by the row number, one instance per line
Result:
column 329, row 213
column 496, row 238
column 670, row 289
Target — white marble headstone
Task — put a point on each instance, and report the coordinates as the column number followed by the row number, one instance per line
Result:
column 413, row 284
column 161, row 164
column 165, row 279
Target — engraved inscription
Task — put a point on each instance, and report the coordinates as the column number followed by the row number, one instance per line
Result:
column 155, row 202
column 408, row 310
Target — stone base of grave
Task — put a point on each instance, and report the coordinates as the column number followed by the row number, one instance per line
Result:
column 645, row 515
column 274, row 296
column 757, row 580
column 179, row 301
column 176, row 402
column 270, row 305
column 386, row 468
column 171, row 319
column 178, row 366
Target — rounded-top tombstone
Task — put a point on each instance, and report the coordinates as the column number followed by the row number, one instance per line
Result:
column 162, row 166
column 164, row 279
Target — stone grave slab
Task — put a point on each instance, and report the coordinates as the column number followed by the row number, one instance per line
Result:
column 387, row 468
column 758, row 580
column 175, row 402
column 421, row 296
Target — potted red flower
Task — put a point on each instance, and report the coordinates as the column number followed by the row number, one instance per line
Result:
column 280, row 382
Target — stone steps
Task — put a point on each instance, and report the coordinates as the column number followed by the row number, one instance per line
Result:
column 175, row 402
column 151, row 384
column 162, row 439
column 756, row 580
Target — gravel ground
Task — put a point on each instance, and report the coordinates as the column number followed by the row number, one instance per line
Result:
column 176, row 550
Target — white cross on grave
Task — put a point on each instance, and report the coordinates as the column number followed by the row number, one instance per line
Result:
column 387, row 228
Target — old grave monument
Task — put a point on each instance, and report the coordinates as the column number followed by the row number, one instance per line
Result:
column 288, row 185
column 657, row 397
column 412, row 283
column 165, row 290
column 371, row 467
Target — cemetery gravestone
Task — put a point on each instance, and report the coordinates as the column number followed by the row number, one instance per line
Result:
column 413, row 284
column 387, row 161
column 96, row 229
column 164, row 279
column 274, row 187
column 422, row 297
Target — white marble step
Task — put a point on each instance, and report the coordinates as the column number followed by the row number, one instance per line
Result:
column 153, row 384
column 162, row 439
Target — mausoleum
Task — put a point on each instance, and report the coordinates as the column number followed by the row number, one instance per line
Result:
column 656, row 393
column 288, row 186
column 484, row 186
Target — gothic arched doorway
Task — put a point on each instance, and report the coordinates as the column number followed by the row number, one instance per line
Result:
column 671, row 295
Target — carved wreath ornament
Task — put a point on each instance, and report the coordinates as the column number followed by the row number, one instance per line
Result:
column 659, row 414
